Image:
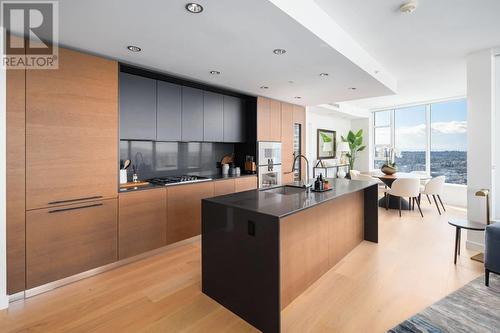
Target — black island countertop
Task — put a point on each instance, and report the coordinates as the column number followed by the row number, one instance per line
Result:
column 280, row 205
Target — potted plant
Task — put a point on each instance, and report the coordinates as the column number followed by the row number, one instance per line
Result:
column 355, row 141
column 389, row 167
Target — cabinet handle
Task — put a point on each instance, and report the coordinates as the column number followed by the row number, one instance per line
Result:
column 74, row 208
column 78, row 199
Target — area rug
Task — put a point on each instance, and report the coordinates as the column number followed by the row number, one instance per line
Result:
column 472, row 308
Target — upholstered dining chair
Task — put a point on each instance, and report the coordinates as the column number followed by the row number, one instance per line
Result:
column 491, row 251
column 406, row 188
column 434, row 187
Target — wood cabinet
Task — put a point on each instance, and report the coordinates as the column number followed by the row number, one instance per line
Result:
column 142, row 221
column 234, row 119
column 72, row 131
column 268, row 119
column 222, row 187
column 245, row 183
column 15, row 169
column 169, row 107
column 137, row 107
column 192, row 114
column 287, row 142
column 67, row 240
column 213, row 117
column 184, row 210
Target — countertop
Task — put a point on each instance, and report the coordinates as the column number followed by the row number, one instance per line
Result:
column 154, row 186
column 280, row 205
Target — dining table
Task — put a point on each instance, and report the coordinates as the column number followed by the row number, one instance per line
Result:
column 389, row 179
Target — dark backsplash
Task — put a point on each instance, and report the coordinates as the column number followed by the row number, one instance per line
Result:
column 159, row 159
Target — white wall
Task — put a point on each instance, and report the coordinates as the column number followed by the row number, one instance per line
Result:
column 496, row 138
column 362, row 162
column 3, row 154
column 321, row 118
column 480, row 103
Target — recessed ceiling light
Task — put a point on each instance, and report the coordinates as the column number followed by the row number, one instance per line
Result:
column 297, row 97
column 264, row 87
column 408, row 7
column 291, row 82
column 134, row 48
column 279, row 51
column 194, row 8
column 352, row 88
column 323, row 74
column 214, row 72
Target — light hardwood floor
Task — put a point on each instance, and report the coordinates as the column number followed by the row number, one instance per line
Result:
column 372, row 289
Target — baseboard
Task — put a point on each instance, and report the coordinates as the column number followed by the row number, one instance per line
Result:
column 474, row 246
column 4, row 302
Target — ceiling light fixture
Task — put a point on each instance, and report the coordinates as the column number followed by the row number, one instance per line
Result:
column 297, row 97
column 214, row 72
column 134, row 48
column 323, row 74
column 352, row 88
column 408, row 7
column 194, row 8
column 264, row 87
column 279, row 51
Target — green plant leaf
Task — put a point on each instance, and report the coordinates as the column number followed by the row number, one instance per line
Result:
column 325, row 137
column 361, row 148
column 358, row 141
column 359, row 133
column 351, row 137
column 343, row 139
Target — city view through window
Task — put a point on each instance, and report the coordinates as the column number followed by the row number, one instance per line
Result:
column 430, row 138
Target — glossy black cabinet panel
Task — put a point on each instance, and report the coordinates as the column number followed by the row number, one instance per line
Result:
column 137, row 107
column 213, row 117
column 192, row 114
column 169, row 111
column 234, row 119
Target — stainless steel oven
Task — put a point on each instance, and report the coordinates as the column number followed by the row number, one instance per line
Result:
column 269, row 164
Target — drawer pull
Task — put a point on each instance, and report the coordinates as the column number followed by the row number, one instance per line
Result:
column 72, row 200
column 74, row 208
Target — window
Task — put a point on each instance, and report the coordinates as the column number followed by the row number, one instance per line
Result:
column 449, row 141
column 429, row 137
column 383, row 135
column 410, row 138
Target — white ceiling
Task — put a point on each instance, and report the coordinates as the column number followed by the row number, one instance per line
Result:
column 236, row 37
column 425, row 50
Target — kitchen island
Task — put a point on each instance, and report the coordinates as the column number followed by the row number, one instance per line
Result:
column 262, row 249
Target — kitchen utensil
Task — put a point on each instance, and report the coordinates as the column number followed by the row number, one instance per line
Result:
column 237, row 171
column 225, row 169
column 228, row 159
column 126, row 164
column 123, row 176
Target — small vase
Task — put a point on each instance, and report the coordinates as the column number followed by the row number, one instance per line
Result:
column 388, row 170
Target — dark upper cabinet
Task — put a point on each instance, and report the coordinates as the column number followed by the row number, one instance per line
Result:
column 137, row 107
column 169, row 112
column 213, row 117
column 192, row 114
column 234, row 119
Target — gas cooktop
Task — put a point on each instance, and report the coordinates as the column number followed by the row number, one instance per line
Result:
column 171, row 180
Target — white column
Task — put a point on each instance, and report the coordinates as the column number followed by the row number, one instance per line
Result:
column 480, row 105
column 3, row 154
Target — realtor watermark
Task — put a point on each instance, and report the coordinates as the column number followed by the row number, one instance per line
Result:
column 30, row 34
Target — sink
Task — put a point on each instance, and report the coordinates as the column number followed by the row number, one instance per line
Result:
column 286, row 190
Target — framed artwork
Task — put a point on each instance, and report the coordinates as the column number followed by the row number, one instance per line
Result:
column 327, row 144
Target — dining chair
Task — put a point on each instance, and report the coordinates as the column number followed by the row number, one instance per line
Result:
column 405, row 188
column 434, row 187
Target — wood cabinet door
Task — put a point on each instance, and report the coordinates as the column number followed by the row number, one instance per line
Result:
column 245, row 183
column 169, row 111
column 72, row 131
column 192, row 114
column 263, row 125
column 137, row 107
column 184, row 210
column 275, row 121
column 67, row 240
column 286, row 142
column 222, row 187
column 142, row 221
column 213, row 117
column 15, row 198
